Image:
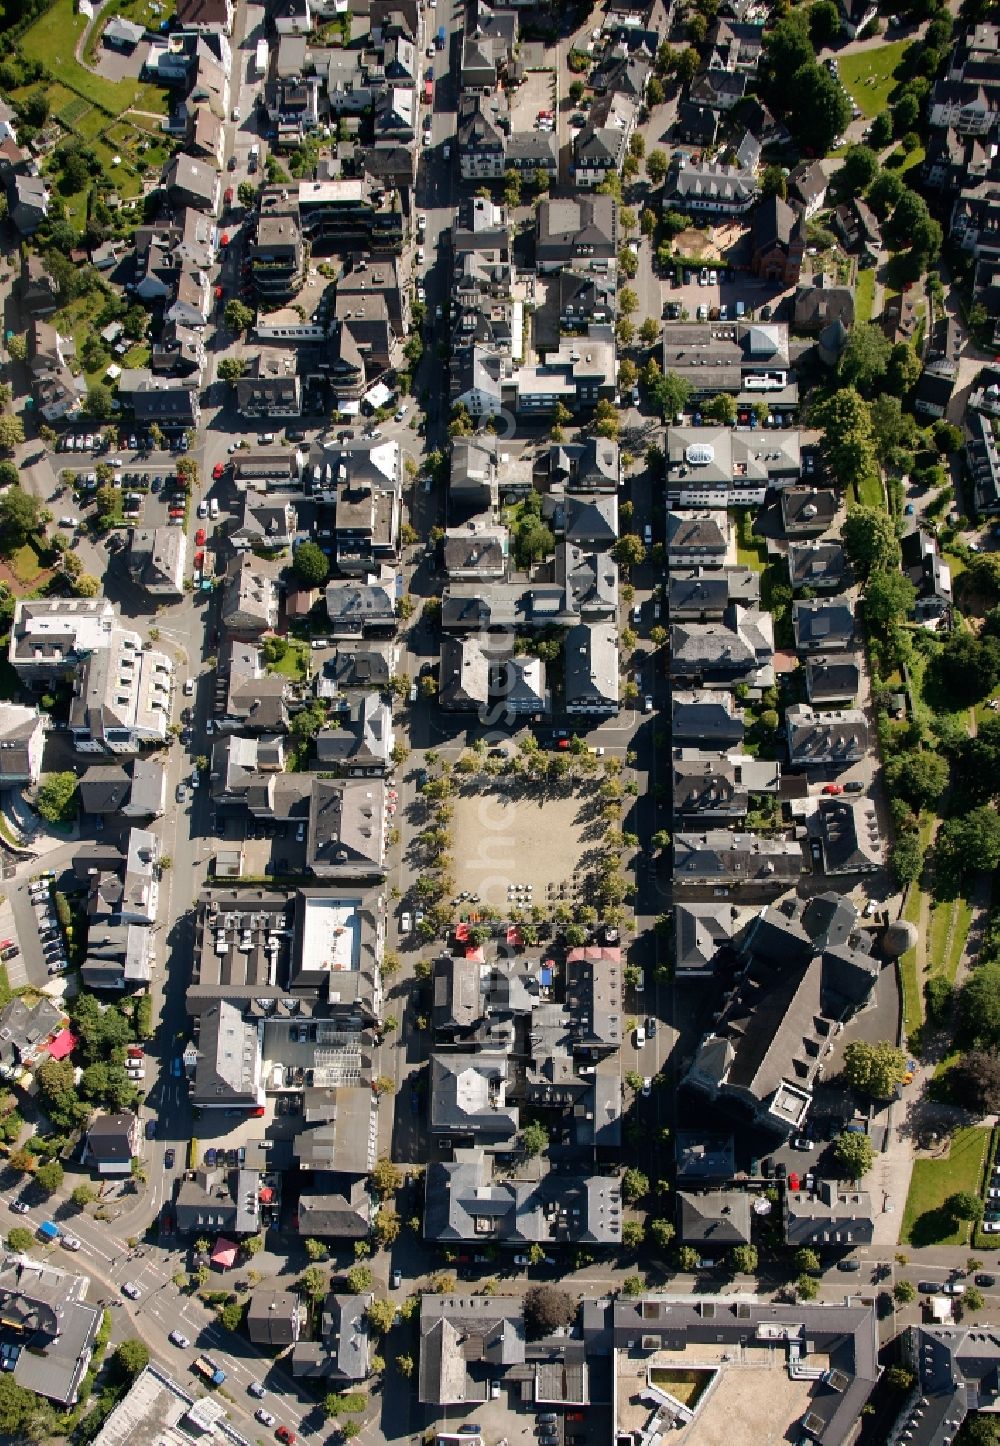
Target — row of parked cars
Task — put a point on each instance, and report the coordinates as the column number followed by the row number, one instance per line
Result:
column 49, row 929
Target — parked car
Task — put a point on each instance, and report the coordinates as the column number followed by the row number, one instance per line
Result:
column 168, row 1159
column 131, row 1290
column 849, row 1265
column 176, row 1338
column 264, row 1417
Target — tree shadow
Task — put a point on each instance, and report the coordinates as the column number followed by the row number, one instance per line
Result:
column 933, row 1227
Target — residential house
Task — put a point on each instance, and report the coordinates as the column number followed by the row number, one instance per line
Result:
column 28, row 202
column 122, row 35
column 22, row 741
column 850, row 837
column 274, row 1317
column 857, row 226
column 466, row 1202
column 267, row 522
column 173, row 400
column 191, row 182
column 832, row 1215
column 807, row 187
column 717, row 787
column 341, row 1354
column 827, row 739
column 709, row 188
column 250, row 597
column 821, row 566
column 824, row 623
column 697, row 124
column 362, row 742
column 269, row 386
column 206, row 16
column 704, row 719
column 697, row 539
column 955, row 1370
column 357, row 610
column 346, row 833
column 578, row 231
column 703, row 1159
column 722, row 467
column 112, row 1142
column 706, row 938
column 808, row 511
column 579, row 373
column 157, row 560
column 121, row 696
column 52, row 1328
column 600, row 147
column 590, row 656
column 833, row 679
column 483, row 125
column 817, row 304
column 27, row 1031
column 705, row 593
column 736, row 860
column 719, row 89
column 718, row 655
column 713, row 1219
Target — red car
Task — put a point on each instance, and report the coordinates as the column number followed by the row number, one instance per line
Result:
column 6, row 943
column 284, row 1434
column 562, row 743
column 177, row 512
column 833, row 788
column 199, row 537
column 219, row 293
column 199, row 559
column 793, row 1181
column 217, row 471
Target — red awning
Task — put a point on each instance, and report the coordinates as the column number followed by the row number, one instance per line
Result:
column 62, row 1045
column 461, row 932
column 224, row 1254
column 266, row 1195
column 476, row 954
column 514, row 936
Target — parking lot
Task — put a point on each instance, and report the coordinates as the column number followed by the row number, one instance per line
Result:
column 730, row 289
column 537, row 93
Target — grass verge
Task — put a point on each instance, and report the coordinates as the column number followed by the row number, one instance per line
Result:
column 925, row 1219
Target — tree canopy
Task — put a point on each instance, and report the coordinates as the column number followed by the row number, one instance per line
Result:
column 870, row 539
column 310, row 564
column 56, row 800
column 546, row 1308
column 874, row 1069
column 853, row 1155
column 20, row 517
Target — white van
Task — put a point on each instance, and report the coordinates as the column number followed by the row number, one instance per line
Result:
column 213, row 508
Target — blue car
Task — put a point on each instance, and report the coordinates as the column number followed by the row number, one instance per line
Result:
column 177, row 1068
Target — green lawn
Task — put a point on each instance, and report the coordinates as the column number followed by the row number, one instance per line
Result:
column 925, row 1221
column 870, row 493
column 864, row 295
column 25, row 565
column 870, row 75
column 52, row 39
column 294, row 664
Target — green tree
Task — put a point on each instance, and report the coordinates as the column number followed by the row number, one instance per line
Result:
column 907, row 859
column 11, row 431
column 649, row 331
column 629, row 550
column 98, row 402
column 313, row 1282
column 246, row 193
column 634, row 1185
column 662, row 1232
column 865, row 359
column 904, row 1291
column 381, row 1315
column 903, row 371
column 721, row 408
column 973, row 1299
column 970, row 844
column 807, row 1261
column 237, row 316
column 870, row 540
column 853, row 1155
column 310, row 564
column 858, row 171
column 404, row 1365
column 656, row 166
column 874, row 1069
column 534, row 1138
column 56, row 800
column 633, row 1234
column 687, row 1259
column 964, row 1205
column 888, row 599
column 315, row 1249
column 20, row 517
column 359, row 1279
column 231, row 368
column 576, row 92
column 807, row 1287
column 129, row 1359
column 919, row 776
column 82, row 1196
column 743, row 1259
column 49, row 1176
column 824, row 23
